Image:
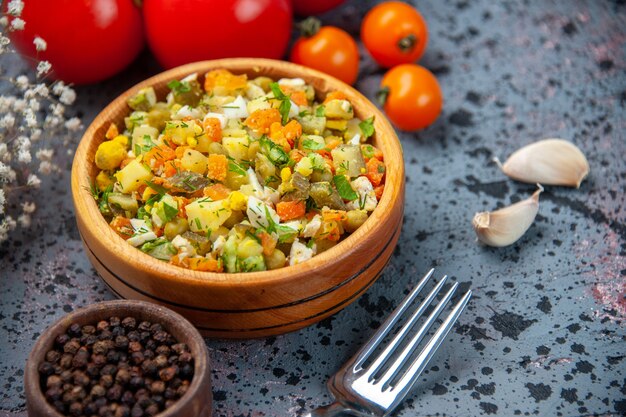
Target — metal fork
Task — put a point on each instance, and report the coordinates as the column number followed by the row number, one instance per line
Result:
column 370, row 385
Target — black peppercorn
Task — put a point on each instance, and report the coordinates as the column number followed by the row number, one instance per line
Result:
column 133, row 336
column 54, row 393
column 149, row 367
column 134, row 347
column 156, row 327
column 152, row 410
column 161, row 361
column 76, row 409
column 71, row 346
column 114, row 321
column 129, row 323
column 80, row 378
column 186, row 371
column 81, row 358
column 106, row 380
column 88, row 329
column 54, row 381
column 115, row 392
column 107, row 334
column 163, row 350
column 179, row 348
column 53, row 356
column 97, row 391
column 46, row 369
column 160, row 336
column 99, row 360
column 136, row 382
column 61, row 340
column 136, row 358
column 168, row 373
column 136, row 411
column 144, row 326
column 122, row 411
column 108, row 369
column 151, row 344
column 74, row 330
column 121, row 342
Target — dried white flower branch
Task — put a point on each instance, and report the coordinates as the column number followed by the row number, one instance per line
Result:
column 30, row 113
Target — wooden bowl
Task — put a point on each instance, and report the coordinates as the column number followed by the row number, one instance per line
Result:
column 253, row 304
column 195, row 402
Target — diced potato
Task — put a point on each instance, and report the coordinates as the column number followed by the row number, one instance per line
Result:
column 276, row 260
column 143, row 136
column 339, row 109
column 354, row 219
column 336, row 124
column 204, row 215
column 263, row 82
column 132, row 176
column 348, row 160
column 253, row 149
column 352, row 129
column 177, row 226
column 104, row 180
column 237, row 147
column 178, row 131
column 193, row 160
column 313, row 125
column 259, row 103
column 235, row 180
column 264, row 167
column 249, row 247
column 235, row 132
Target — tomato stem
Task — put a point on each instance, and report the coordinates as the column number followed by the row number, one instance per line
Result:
column 407, row 43
column 381, row 95
column 310, row 26
column 138, row 3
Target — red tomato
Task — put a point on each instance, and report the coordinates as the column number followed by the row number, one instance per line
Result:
column 411, row 96
column 314, row 7
column 327, row 49
column 87, row 41
column 183, row 31
column 394, row 33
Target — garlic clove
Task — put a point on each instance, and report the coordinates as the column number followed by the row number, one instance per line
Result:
column 505, row 226
column 548, row 161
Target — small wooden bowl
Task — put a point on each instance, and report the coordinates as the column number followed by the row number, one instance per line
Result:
column 251, row 304
column 196, row 402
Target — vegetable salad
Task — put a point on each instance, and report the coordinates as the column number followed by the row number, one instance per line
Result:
column 231, row 174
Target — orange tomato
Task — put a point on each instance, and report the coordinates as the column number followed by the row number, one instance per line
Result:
column 327, row 49
column 394, row 33
column 410, row 96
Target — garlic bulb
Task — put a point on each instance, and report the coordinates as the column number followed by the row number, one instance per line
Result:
column 548, row 161
column 505, row 226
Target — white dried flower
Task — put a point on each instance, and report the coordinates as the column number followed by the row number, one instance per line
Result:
column 57, row 88
column 6, row 103
column 40, row 43
column 2, row 201
column 15, row 7
column 18, row 24
column 7, row 121
column 7, row 174
column 30, row 118
column 57, row 109
column 73, row 124
column 24, row 220
column 33, row 181
column 24, row 156
column 43, row 68
column 29, row 207
column 7, row 225
column 4, row 150
column 22, row 82
column 19, row 105
column 45, row 167
column 34, row 104
column 41, row 90
column 44, row 154
column 4, row 22
column 35, row 134
column 68, row 96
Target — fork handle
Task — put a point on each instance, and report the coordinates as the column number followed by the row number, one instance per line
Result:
column 331, row 410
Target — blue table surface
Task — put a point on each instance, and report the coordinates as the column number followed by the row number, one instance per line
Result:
column 544, row 333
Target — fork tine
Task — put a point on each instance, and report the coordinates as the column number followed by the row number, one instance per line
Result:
column 398, row 338
column 399, row 363
column 388, row 324
column 410, row 377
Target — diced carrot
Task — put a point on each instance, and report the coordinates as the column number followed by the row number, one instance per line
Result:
column 157, row 156
column 216, row 192
column 296, row 155
column 225, row 79
column 375, row 171
column 180, row 151
column 325, row 153
column 112, row 131
column 178, row 260
column 379, row 191
column 295, row 95
column 121, row 225
column 333, row 142
column 334, row 215
column 182, row 203
column 335, row 95
column 261, row 120
column 370, row 151
column 217, row 167
column 277, row 135
column 268, row 242
column 213, row 129
column 171, row 168
column 289, row 210
column 292, row 131
column 205, row 264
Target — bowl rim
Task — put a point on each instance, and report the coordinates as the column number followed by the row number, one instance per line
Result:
column 202, row 362
column 171, row 273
